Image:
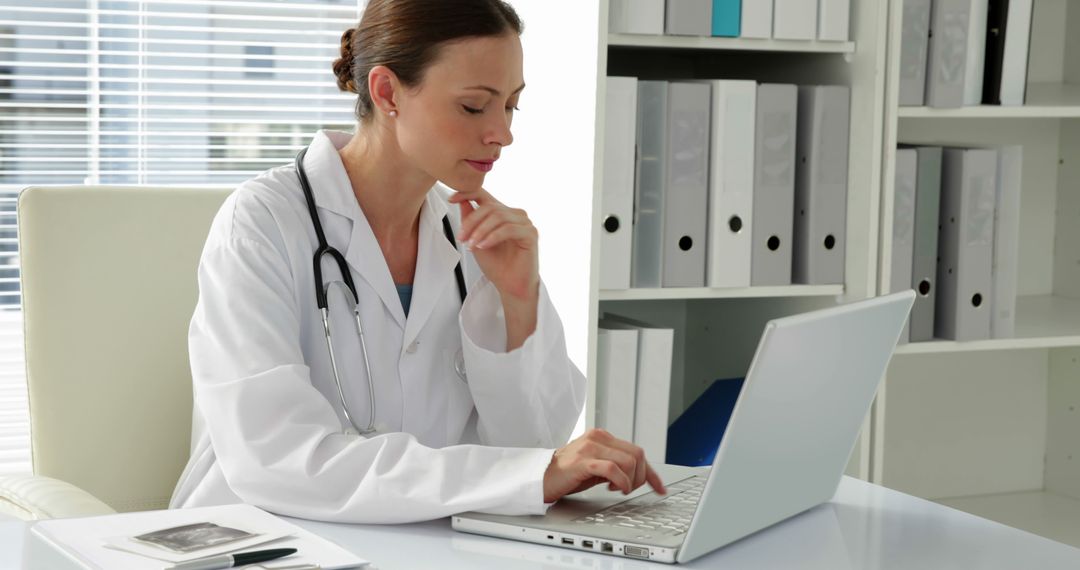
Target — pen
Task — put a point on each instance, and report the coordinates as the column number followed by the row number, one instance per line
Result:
column 230, row 560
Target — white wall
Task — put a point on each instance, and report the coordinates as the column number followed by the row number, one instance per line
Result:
column 548, row 170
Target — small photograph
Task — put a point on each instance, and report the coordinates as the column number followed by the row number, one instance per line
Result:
column 193, row 537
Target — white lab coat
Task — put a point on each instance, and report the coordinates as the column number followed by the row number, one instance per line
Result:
column 268, row 427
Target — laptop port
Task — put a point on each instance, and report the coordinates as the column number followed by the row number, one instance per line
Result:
column 606, row 547
column 568, row 541
column 586, row 544
column 636, row 551
column 551, row 537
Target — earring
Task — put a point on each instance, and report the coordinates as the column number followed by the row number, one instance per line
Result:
column 393, row 113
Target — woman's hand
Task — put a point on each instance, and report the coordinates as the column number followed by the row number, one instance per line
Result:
column 504, row 242
column 594, row 458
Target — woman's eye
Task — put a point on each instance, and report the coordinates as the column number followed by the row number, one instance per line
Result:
column 512, row 109
column 471, row 110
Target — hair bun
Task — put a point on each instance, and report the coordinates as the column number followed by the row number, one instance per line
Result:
column 343, row 65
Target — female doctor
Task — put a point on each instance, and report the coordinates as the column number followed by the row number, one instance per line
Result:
column 458, row 391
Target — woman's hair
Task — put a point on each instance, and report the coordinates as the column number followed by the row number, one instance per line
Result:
column 405, row 36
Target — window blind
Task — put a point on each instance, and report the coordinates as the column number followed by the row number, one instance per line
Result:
column 162, row 92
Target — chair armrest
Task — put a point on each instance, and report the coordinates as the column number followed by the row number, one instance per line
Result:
column 33, row 497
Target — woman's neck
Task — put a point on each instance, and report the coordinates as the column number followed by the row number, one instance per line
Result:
column 390, row 190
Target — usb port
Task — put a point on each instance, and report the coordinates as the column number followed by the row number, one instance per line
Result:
column 567, row 541
column 586, row 544
column 636, row 551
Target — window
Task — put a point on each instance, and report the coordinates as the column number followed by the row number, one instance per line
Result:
column 163, row 92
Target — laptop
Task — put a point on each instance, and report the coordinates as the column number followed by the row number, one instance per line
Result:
column 795, row 423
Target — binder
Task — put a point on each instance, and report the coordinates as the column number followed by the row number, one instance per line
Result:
column 757, row 19
column 1015, row 56
column 695, row 436
column 688, row 18
column 903, row 231
column 925, row 248
column 795, row 19
column 966, row 246
column 834, row 20
column 1006, row 241
column 636, row 17
column 914, row 46
column 731, row 184
column 726, row 16
column 774, row 184
column 947, row 64
column 651, row 176
column 653, row 393
column 687, row 189
column 617, row 197
column 616, row 376
column 976, row 53
column 821, row 170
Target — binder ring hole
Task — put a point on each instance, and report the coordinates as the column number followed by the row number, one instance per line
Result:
column 924, row 287
column 774, row 243
column 611, row 224
column 830, row 242
column 685, row 243
column 976, row 300
column 735, row 224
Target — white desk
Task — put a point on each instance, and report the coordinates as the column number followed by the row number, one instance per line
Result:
column 863, row 527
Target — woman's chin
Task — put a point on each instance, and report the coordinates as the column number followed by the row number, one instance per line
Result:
column 460, row 183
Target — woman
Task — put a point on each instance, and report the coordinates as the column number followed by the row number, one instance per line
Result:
column 462, row 395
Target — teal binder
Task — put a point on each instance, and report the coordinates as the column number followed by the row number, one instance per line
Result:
column 726, row 17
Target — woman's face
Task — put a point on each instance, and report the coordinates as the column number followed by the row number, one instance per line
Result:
column 456, row 122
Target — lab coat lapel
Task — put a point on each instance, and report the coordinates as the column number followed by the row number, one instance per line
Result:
column 435, row 261
column 333, row 192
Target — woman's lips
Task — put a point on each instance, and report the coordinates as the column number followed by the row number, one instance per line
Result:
column 482, row 165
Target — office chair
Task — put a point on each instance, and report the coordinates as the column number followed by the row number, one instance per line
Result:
column 108, row 290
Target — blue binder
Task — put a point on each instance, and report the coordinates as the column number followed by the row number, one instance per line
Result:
column 726, row 18
column 695, row 436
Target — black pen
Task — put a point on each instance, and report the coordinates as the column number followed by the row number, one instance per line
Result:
column 230, row 560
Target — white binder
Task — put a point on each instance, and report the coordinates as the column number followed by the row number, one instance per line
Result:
column 636, row 17
column 1015, row 60
column 947, row 64
column 976, row 52
column 688, row 18
column 914, row 44
column 654, row 361
column 731, row 184
column 616, row 380
column 925, row 249
column 1006, row 241
column 774, row 184
column 795, row 19
column 648, row 225
column 966, row 246
column 834, row 20
column 687, row 189
column 617, row 198
column 757, row 19
column 824, row 119
column 903, row 231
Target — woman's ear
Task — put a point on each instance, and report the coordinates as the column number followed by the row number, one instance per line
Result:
column 383, row 86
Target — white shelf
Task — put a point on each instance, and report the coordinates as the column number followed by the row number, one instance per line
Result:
column 1042, row 321
column 676, row 293
column 735, row 44
column 1054, row 516
column 1044, row 101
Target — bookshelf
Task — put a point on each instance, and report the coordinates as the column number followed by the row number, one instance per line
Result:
column 991, row 427
column 717, row 330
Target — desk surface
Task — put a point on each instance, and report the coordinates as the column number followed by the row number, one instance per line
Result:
column 864, row 527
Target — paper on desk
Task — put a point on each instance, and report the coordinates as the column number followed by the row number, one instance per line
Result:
column 85, row 539
column 128, row 544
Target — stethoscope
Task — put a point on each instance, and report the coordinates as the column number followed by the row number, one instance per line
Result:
column 321, row 292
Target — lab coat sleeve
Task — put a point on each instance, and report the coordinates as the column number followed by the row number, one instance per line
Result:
column 531, row 396
column 279, row 442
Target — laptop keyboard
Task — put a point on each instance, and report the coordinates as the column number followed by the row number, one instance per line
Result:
column 660, row 514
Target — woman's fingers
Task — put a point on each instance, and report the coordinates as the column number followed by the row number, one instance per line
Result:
column 642, row 465
column 610, row 471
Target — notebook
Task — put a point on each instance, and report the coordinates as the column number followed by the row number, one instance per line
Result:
column 104, row 542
